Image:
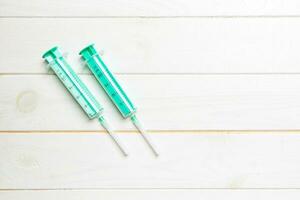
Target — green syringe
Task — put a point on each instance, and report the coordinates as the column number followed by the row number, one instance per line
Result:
column 78, row 90
column 113, row 88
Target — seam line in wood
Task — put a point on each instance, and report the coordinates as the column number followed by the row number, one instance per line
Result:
column 133, row 188
column 150, row 16
column 154, row 132
column 157, row 74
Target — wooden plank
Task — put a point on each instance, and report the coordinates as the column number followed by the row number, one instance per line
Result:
column 156, row 46
column 207, row 160
column 149, row 8
column 165, row 102
column 211, row 194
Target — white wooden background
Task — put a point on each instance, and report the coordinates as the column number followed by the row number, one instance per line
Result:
column 217, row 84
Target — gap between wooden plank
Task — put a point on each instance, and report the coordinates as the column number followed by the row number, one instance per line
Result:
column 208, row 194
column 148, row 189
column 147, row 17
column 155, row 74
column 156, row 132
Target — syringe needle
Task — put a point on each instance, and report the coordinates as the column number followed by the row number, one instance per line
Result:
column 111, row 134
column 138, row 125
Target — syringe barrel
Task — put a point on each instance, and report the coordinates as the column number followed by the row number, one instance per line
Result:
column 73, row 83
column 107, row 81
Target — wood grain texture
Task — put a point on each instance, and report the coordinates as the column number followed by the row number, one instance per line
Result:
column 149, row 8
column 199, row 72
column 115, row 194
column 165, row 102
column 91, row 160
column 157, row 46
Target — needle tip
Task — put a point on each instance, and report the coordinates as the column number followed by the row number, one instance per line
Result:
column 143, row 134
column 111, row 134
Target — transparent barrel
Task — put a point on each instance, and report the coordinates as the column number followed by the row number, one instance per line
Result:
column 73, row 83
column 107, row 81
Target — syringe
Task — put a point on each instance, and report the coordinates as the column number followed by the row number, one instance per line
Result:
column 112, row 88
column 78, row 90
